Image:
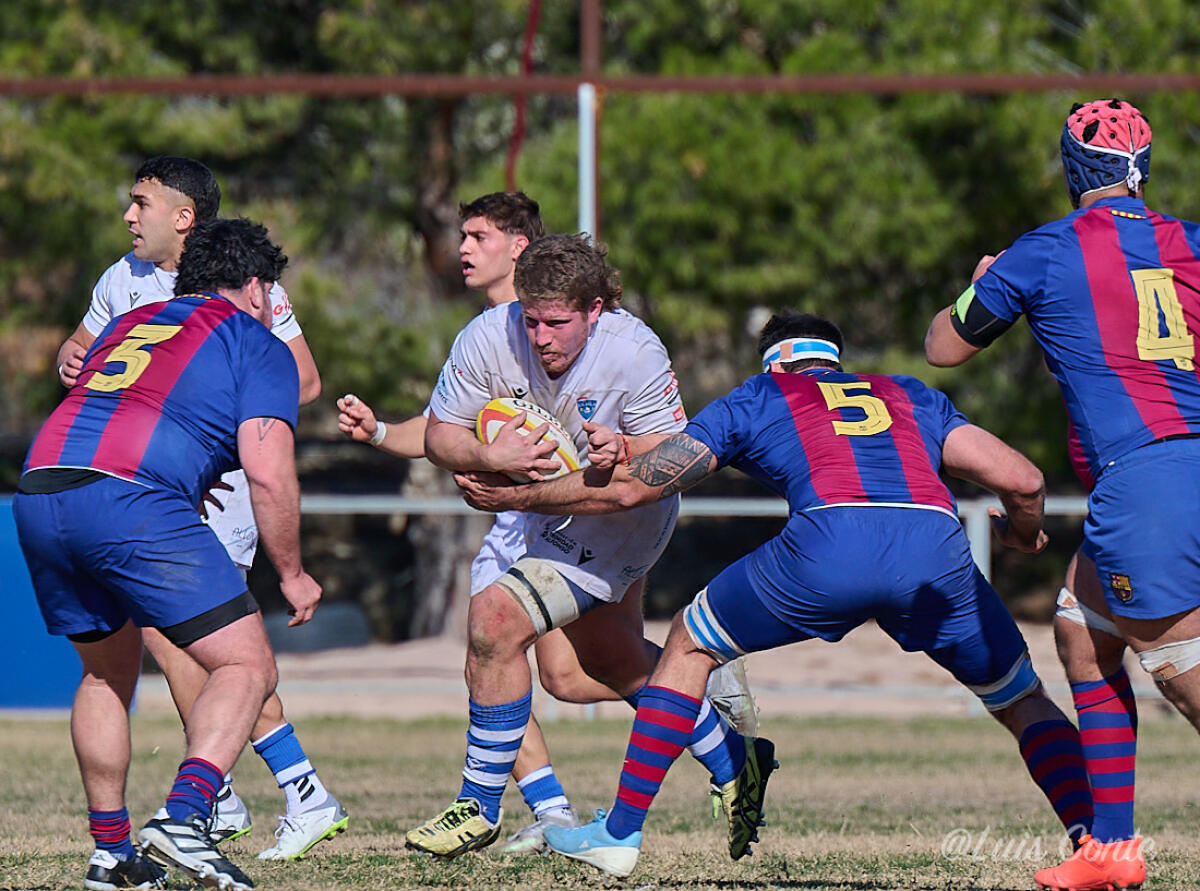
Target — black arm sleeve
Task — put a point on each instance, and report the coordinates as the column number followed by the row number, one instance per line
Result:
column 974, row 322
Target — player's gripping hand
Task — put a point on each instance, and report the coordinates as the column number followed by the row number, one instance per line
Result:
column 1031, row 541
column 514, row 451
column 303, row 593
column 356, row 419
column 493, row 492
column 606, row 448
column 210, row 497
column 68, row 372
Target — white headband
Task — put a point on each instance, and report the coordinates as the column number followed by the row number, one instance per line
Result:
column 796, row 348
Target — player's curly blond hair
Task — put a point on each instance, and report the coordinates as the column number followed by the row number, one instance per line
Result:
column 567, row 268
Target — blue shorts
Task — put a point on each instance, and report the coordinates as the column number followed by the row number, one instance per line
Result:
column 909, row 569
column 1143, row 530
column 102, row 554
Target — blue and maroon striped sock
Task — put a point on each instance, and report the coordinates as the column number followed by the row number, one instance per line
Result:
column 1108, row 731
column 110, row 829
column 662, row 728
column 1052, row 753
column 195, row 790
column 713, row 742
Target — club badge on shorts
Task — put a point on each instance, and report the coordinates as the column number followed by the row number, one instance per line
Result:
column 1121, row 586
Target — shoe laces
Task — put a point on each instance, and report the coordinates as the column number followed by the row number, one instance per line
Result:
column 286, row 823
column 454, row 816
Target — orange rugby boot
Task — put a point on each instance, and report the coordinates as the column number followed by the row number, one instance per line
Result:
column 1097, row 866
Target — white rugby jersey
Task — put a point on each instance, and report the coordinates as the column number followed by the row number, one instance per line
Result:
column 622, row 379
column 132, row 282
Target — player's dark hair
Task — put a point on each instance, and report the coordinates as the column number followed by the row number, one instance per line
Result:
column 512, row 212
column 188, row 177
column 570, row 268
column 789, row 324
column 225, row 254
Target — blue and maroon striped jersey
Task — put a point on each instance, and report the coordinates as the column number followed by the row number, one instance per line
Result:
column 1112, row 295
column 822, row 437
column 162, row 392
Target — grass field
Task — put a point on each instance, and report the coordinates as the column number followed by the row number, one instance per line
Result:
column 857, row 804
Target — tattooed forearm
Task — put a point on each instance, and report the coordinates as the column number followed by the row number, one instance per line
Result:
column 675, row 464
column 264, row 427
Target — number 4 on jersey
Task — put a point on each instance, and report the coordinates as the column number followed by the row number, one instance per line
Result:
column 1156, row 294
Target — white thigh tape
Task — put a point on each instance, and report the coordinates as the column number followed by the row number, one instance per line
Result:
column 1171, row 660
column 1082, row 614
column 542, row 592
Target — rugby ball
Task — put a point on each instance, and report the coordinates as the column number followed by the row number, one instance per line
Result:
column 503, row 409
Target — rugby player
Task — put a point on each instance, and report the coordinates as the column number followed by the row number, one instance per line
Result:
column 873, row 533
column 1112, row 295
column 169, row 396
column 568, row 346
column 169, row 197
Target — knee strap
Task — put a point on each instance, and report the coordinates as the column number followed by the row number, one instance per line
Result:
column 542, row 592
column 706, row 632
column 1081, row 614
column 1171, row 660
column 1020, row 681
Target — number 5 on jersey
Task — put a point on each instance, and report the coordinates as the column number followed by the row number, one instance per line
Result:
column 130, row 352
column 837, row 396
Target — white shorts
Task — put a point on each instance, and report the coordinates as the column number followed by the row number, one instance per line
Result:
column 503, row 545
column 603, row 554
column 235, row 525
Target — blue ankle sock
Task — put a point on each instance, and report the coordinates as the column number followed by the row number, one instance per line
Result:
column 110, row 830
column 542, row 790
column 283, row 754
column 493, row 740
column 195, row 789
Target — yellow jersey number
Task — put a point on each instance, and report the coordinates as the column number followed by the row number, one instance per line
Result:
column 1156, row 293
column 876, row 418
column 131, row 353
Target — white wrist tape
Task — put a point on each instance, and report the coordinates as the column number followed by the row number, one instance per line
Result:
column 380, row 433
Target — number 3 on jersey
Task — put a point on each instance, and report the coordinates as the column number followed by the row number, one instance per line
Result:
column 1156, row 293
column 837, row 396
column 130, row 352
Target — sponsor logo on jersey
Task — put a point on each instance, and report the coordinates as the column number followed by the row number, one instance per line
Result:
column 587, row 408
column 678, row 414
column 672, row 388
column 556, row 539
column 1121, row 586
column 519, row 392
column 585, row 556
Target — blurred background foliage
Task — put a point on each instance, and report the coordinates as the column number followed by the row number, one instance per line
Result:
column 716, row 208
